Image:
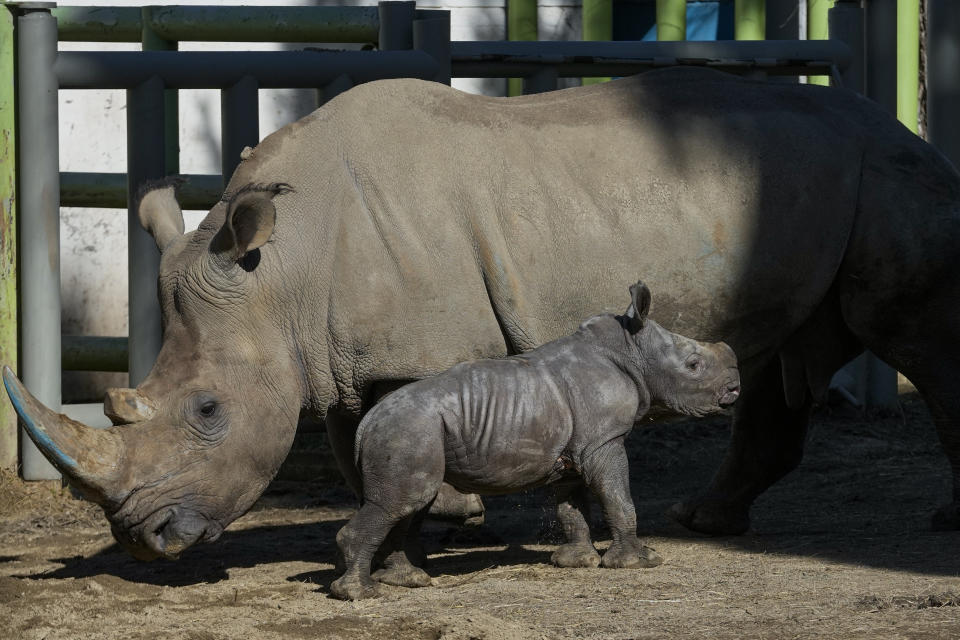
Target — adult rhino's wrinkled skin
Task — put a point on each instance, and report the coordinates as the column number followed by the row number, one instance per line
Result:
column 405, row 227
column 557, row 414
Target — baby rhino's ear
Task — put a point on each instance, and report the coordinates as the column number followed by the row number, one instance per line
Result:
column 639, row 306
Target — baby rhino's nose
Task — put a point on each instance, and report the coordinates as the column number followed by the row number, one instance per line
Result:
column 731, row 395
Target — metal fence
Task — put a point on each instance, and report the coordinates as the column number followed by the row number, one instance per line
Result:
column 405, row 42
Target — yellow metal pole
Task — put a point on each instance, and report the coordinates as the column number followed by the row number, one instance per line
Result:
column 597, row 25
column 908, row 62
column 671, row 20
column 8, row 234
column 521, row 25
column 750, row 19
column 817, row 29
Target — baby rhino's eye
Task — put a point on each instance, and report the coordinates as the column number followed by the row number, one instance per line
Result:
column 694, row 363
column 208, row 408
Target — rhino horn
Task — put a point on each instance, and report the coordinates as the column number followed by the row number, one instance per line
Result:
column 89, row 458
column 126, row 406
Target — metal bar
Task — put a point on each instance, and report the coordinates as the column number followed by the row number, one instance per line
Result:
column 597, row 26
column 908, row 62
column 783, row 20
column 671, row 20
column 109, row 190
column 572, row 59
column 818, row 29
column 8, row 232
column 542, row 81
column 39, row 221
column 509, row 66
column 267, row 24
column 221, row 69
column 396, row 25
column 98, row 24
column 846, row 24
column 150, row 41
column 335, row 88
column 881, row 36
column 521, row 26
column 94, row 353
column 221, row 24
column 714, row 50
column 145, row 161
column 943, row 81
column 239, row 123
column 750, row 19
column 431, row 34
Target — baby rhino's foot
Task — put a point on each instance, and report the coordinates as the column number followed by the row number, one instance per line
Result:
column 631, row 555
column 576, row 554
column 403, row 575
column 352, row 588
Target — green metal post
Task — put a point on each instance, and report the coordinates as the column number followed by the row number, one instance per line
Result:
column 908, row 62
column 521, row 25
column 671, row 20
column 597, row 25
column 818, row 29
column 171, row 124
column 750, row 20
column 8, row 234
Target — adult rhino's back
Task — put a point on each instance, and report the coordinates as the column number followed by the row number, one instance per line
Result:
column 730, row 196
column 708, row 186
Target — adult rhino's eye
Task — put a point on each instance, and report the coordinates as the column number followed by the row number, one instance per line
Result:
column 206, row 418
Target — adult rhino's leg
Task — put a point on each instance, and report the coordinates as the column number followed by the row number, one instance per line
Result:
column 930, row 358
column 341, row 433
column 766, row 444
column 461, row 508
column 942, row 395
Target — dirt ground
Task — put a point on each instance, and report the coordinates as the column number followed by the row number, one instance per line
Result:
column 841, row 548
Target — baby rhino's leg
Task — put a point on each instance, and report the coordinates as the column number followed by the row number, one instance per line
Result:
column 401, row 464
column 401, row 549
column 607, row 474
column 573, row 512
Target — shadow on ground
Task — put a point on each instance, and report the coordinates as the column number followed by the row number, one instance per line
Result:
column 862, row 496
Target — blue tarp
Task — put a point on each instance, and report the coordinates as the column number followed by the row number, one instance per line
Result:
column 705, row 20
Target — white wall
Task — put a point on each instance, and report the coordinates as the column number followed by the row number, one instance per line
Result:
column 92, row 139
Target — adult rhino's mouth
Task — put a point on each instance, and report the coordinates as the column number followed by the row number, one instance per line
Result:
column 167, row 533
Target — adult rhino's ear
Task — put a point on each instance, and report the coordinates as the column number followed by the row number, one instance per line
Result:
column 636, row 313
column 250, row 219
column 158, row 210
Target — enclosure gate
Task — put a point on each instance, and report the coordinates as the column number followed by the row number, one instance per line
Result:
column 409, row 43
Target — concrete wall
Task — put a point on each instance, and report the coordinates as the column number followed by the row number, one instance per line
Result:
column 92, row 138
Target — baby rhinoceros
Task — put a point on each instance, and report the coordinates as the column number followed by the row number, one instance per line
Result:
column 557, row 414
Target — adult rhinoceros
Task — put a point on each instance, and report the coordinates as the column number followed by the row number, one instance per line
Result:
column 405, row 227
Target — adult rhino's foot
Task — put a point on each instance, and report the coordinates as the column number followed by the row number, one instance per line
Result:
column 465, row 509
column 946, row 518
column 353, row 588
column 631, row 555
column 398, row 571
column 711, row 516
column 576, row 554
